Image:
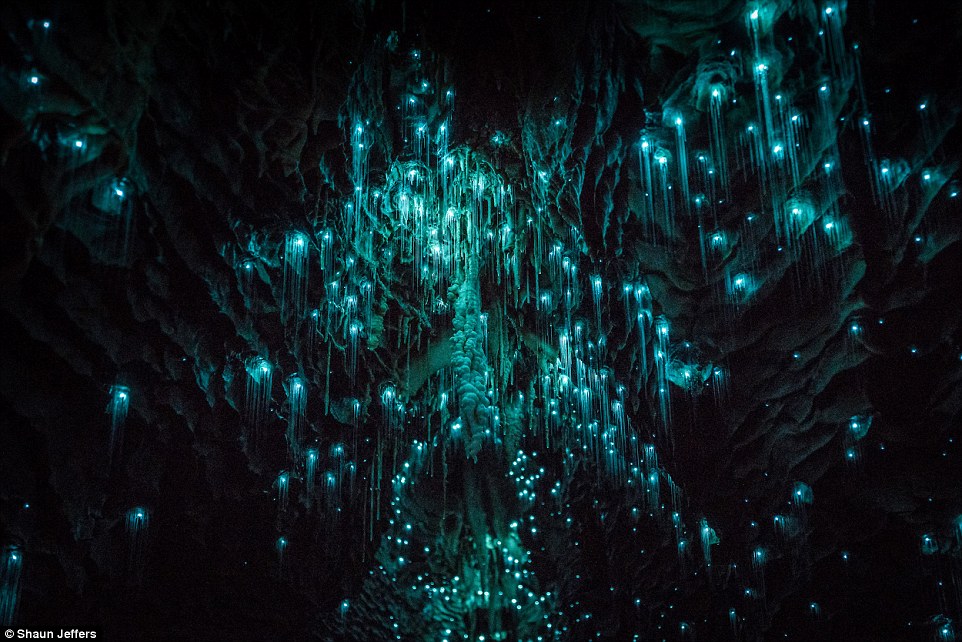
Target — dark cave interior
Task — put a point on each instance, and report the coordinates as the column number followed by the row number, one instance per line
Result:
column 363, row 320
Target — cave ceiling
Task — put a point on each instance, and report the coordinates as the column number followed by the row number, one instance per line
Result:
column 362, row 320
